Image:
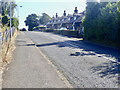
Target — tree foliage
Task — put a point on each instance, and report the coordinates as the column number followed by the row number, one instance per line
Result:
column 13, row 6
column 15, row 22
column 5, row 20
column 101, row 22
column 4, row 11
column 32, row 21
column 5, row 6
column 44, row 18
column 119, row 23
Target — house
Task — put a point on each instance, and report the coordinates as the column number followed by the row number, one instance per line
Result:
column 70, row 21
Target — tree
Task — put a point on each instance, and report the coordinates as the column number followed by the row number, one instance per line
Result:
column 44, row 18
column 15, row 22
column 13, row 6
column 101, row 22
column 119, row 24
column 32, row 21
column 90, row 23
column 4, row 12
column 5, row 20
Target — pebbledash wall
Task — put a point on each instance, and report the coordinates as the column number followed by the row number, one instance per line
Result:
column 70, row 21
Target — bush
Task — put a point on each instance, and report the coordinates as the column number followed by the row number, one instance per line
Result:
column 101, row 22
column 15, row 22
column 69, row 33
column 5, row 20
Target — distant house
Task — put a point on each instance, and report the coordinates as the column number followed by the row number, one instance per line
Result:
column 70, row 21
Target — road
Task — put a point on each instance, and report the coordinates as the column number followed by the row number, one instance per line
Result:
column 85, row 65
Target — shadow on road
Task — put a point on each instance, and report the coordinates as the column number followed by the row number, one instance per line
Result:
column 106, row 69
column 92, row 49
column 110, row 69
column 81, row 54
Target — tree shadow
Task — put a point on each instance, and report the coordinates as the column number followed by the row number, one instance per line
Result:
column 81, row 54
column 91, row 49
column 48, row 44
column 110, row 69
column 26, row 45
column 106, row 69
column 87, row 47
column 98, row 49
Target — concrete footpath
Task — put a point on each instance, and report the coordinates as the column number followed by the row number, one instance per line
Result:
column 29, row 69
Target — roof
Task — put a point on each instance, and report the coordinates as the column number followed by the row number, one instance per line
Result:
column 66, row 19
column 79, row 18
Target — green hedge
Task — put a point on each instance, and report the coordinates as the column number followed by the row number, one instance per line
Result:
column 101, row 23
column 48, row 30
column 69, row 33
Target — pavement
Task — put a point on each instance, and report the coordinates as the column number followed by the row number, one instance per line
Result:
column 83, row 64
column 29, row 69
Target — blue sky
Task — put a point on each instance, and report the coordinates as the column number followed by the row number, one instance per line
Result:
column 51, row 8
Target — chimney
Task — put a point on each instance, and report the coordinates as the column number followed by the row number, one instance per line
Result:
column 75, row 11
column 64, row 14
column 56, row 15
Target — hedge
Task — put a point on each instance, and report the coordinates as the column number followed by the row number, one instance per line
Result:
column 69, row 33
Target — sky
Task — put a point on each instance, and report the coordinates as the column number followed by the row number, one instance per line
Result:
column 51, row 7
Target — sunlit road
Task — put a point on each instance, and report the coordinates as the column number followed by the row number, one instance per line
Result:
column 84, row 65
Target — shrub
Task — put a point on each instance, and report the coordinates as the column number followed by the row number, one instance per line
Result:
column 5, row 20
column 15, row 23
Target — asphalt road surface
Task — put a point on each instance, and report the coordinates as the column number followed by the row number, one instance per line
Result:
column 85, row 65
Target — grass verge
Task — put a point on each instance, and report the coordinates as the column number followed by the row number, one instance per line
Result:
column 7, row 49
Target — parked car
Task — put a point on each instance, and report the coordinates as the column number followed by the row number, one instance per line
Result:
column 63, row 28
column 23, row 29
